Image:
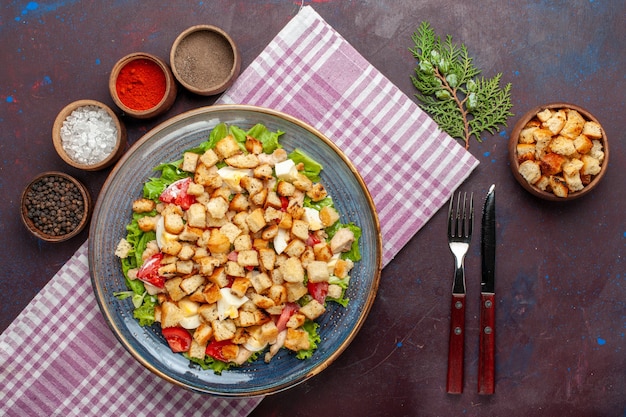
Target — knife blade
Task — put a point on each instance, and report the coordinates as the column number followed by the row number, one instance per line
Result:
column 486, row 358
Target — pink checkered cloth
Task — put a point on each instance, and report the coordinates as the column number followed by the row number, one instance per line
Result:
column 411, row 167
column 59, row 358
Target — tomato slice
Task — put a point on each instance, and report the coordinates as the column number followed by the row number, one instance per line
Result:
column 313, row 240
column 318, row 291
column 214, row 349
column 288, row 311
column 149, row 271
column 176, row 193
column 284, row 203
column 178, row 338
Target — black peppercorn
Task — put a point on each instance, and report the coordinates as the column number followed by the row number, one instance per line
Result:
column 47, row 207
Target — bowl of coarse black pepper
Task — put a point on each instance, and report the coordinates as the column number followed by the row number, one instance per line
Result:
column 55, row 206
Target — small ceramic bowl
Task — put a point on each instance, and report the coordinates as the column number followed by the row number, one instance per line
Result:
column 205, row 60
column 88, row 135
column 55, row 212
column 142, row 85
column 568, row 185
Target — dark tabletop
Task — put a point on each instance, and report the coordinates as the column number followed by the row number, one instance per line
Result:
column 561, row 288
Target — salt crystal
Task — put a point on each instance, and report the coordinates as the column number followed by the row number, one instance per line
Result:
column 88, row 135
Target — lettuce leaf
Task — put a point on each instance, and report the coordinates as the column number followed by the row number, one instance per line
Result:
column 312, row 168
column 268, row 138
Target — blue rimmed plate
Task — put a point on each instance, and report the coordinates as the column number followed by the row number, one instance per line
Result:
column 166, row 142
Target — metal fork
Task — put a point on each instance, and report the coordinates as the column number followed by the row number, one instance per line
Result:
column 460, row 222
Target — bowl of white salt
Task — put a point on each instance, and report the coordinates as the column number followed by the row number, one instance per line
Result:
column 88, row 135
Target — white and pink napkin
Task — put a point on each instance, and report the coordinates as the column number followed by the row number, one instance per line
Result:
column 59, row 358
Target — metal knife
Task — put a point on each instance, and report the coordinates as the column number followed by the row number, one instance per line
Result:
column 486, row 358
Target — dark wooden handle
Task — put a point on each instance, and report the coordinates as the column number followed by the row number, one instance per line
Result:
column 454, row 383
column 487, row 345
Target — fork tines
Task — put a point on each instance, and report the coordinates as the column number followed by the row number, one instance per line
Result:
column 459, row 217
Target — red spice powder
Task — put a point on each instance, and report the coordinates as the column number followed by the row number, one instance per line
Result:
column 140, row 84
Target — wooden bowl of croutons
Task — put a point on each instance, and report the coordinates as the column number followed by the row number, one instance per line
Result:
column 558, row 151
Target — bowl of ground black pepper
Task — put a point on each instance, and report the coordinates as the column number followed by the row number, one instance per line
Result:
column 142, row 85
column 205, row 60
column 55, row 206
column 88, row 135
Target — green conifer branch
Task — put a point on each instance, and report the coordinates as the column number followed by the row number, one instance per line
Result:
column 462, row 104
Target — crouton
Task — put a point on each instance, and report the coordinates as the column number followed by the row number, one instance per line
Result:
column 582, row 144
column 285, row 189
column 543, row 137
column 247, row 258
column 171, row 315
column 278, row 294
column 171, row 247
column 239, row 202
column 317, row 271
column 227, row 147
column 196, row 215
column 219, row 277
column 173, row 223
column 334, row 291
column 190, row 284
column 258, row 199
column 273, row 200
column 207, row 176
column 292, row 270
column 209, row 158
column 217, row 207
column 203, row 333
column 234, row 269
column 591, row 166
column 190, row 160
column 143, row 205
column 542, row 183
column 242, row 243
column 597, row 150
column 562, row 146
column 243, row 161
column 260, row 281
column 218, row 242
column 297, row 339
column 322, row 251
column 295, row 291
column 574, row 182
column 253, row 145
column 240, row 286
column 267, row 258
column 251, row 185
column 231, row 231
column 526, row 135
column 195, row 189
column 592, row 130
column 559, row 186
column 312, row 310
column 572, row 166
column 263, row 172
column 184, row 267
column 190, row 234
column 300, row 229
column 551, row 163
column 525, row 152
column 530, row 171
column 256, row 220
column 343, row 268
column 208, row 312
column 317, row 192
column 556, row 122
column 223, row 329
column 573, row 124
column 544, row 115
column 295, row 248
column 296, row 320
column 211, row 293
column 328, row 216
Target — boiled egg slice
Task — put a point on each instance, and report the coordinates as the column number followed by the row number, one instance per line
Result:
column 232, row 176
column 228, row 304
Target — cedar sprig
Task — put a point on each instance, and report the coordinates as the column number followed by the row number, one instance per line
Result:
column 462, row 104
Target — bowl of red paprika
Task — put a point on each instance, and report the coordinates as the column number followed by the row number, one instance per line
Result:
column 142, row 85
